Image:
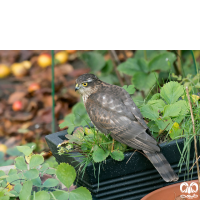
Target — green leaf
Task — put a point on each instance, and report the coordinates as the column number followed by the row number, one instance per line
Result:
column 153, row 126
column 171, row 110
column 94, row 60
column 149, row 53
column 44, row 167
column 20, row 163
column 2, row 173
column 162, row 62
column 130, row 89
column 42, row 195
column 14, row 178
column 171, row 91
column 107, row 69
column 144, row 81
column 80, row 113
column 117, row 155
column 184, row 107
column 99, row 155
column 50, row 171
column 18, row 188
column 25, row 193
column 66, row 174
column 60, row 195
column 36, row 160
column 5, row 198
column 13, row 152
column 25, row 150
column 68, row 121
column 175, row 131
column 133, row 65
column 155, row 96
column 149, row 112
column 12, row 171
column 50, row 182
column 80, row 193
column 31, row 174
column 157, row 104
column 164, row 124
column 37, row 182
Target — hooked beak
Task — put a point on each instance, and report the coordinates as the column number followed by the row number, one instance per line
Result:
column 76, row 87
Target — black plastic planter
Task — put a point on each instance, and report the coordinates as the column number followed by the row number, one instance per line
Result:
column 125, row 180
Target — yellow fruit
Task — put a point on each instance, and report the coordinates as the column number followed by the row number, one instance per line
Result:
column 71, row 51
column 18, row 70
column 3, row 148
column 27, row 64
column 44, row 60
column 4, row 71
column 61, row 57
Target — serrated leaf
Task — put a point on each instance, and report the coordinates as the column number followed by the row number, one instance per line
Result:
column 130, row 89
column 153, row 126
column 158, row 104
column 60, row 195
column 36, row 160
column 42, row 195
column 172, row 110
column 164, row 124
column 31, row 174
column 68, row 121
column 140, row 80
column 25, row 193
column 99, row 155
column 20, row 163
column 66, row 174
column 117, row 155
column 162, row 62
column 149, row 112
column 94, row 60
column 44, row 167
column 25, row 150
column 155, row 96
column 171, row 91
column 80, row 193
column 133, row 65
column 50, row 182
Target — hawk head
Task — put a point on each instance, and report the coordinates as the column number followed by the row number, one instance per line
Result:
column 86, row 83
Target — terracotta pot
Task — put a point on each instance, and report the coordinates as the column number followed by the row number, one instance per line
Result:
column 173, row 192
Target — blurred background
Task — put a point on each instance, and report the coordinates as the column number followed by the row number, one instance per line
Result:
column 26, row 87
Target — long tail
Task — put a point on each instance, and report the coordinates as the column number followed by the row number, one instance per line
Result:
column 162, row 166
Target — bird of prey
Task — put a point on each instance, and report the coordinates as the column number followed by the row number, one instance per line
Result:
column 112, row 111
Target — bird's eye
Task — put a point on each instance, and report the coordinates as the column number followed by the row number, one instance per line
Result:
column 84, row 84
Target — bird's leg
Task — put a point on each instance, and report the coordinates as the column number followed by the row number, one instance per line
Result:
column 113, row 144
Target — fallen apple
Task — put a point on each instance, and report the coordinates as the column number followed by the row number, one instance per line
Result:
column 4, row 71
column 33, row 87
column 44, row 60
column 61, row 57
column 17, row 106
column 27, row 64
column 18, row 70
column 71, row 51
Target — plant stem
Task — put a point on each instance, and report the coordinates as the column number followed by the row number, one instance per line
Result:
column 195, row 139
column 53, row 92
column 113, row 57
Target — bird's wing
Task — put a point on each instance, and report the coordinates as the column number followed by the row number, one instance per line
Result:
column 111, row 112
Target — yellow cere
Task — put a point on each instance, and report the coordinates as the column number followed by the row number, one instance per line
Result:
column 77, row 85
